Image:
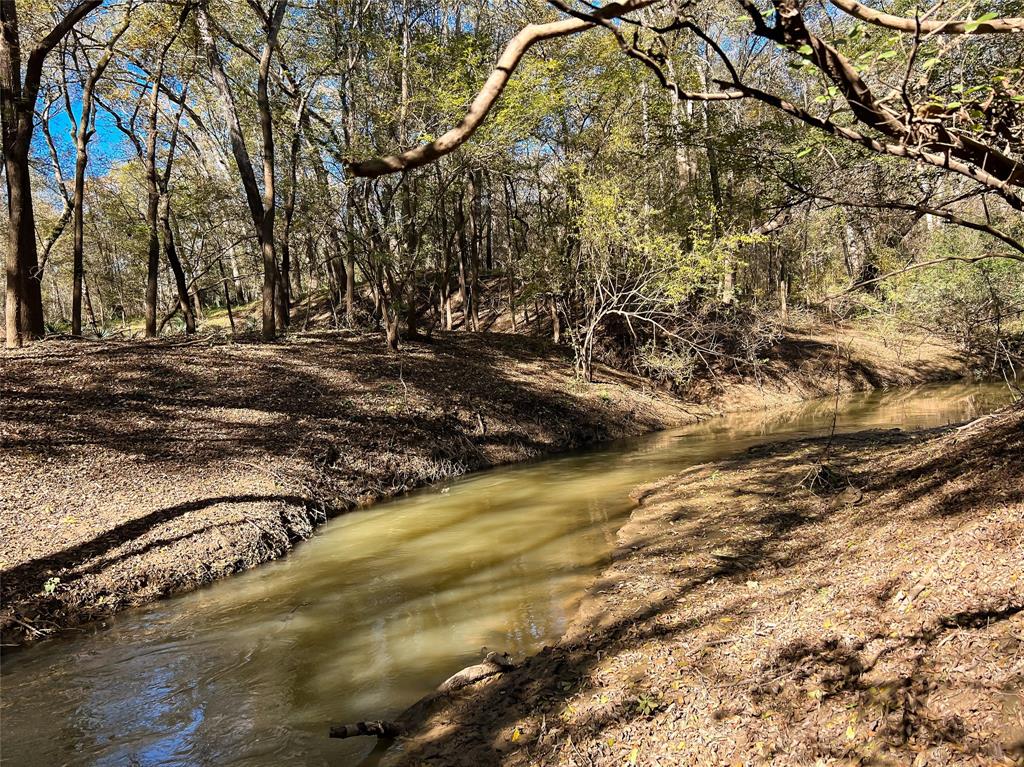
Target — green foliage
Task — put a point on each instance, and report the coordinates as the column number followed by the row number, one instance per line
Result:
column 671, row 363
column 974, row 302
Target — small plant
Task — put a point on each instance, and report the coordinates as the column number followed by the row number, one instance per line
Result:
column 646, row 704
column 50, row 586
column 675, row 363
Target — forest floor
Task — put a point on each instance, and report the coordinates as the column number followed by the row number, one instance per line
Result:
column 746, row 619
column 135, row 469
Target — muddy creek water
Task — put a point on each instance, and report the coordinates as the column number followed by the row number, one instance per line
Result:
column 379, row 607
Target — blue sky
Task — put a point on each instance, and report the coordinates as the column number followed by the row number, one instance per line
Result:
column 106, row 148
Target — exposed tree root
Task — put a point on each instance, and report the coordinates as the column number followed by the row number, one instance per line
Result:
column 824, row 478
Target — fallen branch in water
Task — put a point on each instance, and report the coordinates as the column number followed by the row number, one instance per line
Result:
column 494, row 663
column 382, row 729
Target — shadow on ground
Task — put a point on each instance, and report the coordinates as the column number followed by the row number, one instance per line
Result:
column 121, row 458
column 748, row 620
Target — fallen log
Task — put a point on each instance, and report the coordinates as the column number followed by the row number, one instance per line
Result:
column 493, row 663
column 381, row 729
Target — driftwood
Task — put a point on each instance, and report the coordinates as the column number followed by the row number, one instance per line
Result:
column 494, row 663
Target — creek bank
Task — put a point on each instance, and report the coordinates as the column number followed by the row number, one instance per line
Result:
column 748, row 620
column 134, row 470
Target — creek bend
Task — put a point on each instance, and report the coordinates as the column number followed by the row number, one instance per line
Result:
column 380, row 605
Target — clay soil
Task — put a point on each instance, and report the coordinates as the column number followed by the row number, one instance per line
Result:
column 751, row 616
column 133, row 470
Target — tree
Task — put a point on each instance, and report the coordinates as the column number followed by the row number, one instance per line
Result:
column 84, row 128
column 261, row 208
column 774, row 148
column 18, row 93
column 926, row 128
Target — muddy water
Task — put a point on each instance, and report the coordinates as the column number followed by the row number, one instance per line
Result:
column 378, row 608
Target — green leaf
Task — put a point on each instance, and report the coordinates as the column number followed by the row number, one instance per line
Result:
column 805, row 50
column 931, row 62
column 887, row 55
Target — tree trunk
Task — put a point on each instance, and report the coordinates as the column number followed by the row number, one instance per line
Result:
column 474, row 250
column 444, row 310
column 783, row 294
column 350, row 264
column 236, row 277
column 284, row 285
column 83, row 134
column 489, row 227
column 152, row 263
column 337, row 268
column 556, row 321
column 180, row 281
column 24, row 315
column 153, row 179
column 412, row 314
column 512, row 301
column 296, row 287
column 227, row 293
column 261, row 208
column 464, row 294
column 728, row 291
column 78, row 227
column 92, row 313
column 391, row 329
column 24, row 310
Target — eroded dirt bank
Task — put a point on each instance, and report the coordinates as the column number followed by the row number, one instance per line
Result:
column 749, row 620
column 134, row 470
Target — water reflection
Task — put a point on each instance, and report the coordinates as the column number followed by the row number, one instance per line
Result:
column 378, row 607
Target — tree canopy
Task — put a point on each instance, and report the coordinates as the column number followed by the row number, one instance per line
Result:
column 606, row 170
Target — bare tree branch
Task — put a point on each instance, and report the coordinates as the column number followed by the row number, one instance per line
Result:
column 921, row 265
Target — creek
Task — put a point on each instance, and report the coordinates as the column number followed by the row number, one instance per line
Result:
column 380, row 605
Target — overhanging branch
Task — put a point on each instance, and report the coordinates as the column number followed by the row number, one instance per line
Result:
column 947, row 27
column 492, row 89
